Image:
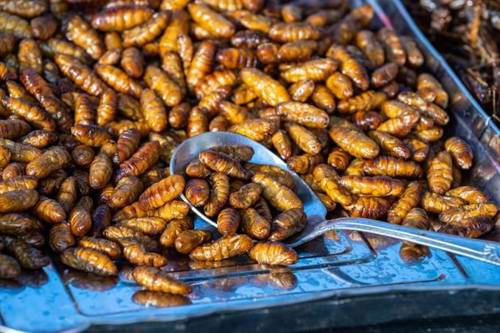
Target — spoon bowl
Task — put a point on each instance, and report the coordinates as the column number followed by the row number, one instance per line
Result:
column 317, row 224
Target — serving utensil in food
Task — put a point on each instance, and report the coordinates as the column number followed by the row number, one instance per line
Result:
column 317, row 225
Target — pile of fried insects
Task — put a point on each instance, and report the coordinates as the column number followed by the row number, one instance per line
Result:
column 95, row 96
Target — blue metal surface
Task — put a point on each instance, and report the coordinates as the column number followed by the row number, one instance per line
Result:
column 333, row 271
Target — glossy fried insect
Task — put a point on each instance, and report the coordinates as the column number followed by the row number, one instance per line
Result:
column 272, row 253
column 269, row 90
column 118, row 79
column 430, row 109
column 15, row 25
column 364, row 102
column 127, row 190
column 254, row 225
column 153, row 110
column 339, row 159
column 369, row 207
column 408, row 200
column 426, row 82
column 82, row 34
column 29, row 55
column 147, row 225
column 132, row 62
column 216, row 25
column 136, row 254
column 127, row 144
column 40, row 138
column 53, row 159
column 349, row 66
column 67, row 193
column 28, row 256
column 470, row 194
column 223, row 163
column 18, row 183
column 110, row 248
column 18, row 200
column 197, row 191
column 219, row 194
column 301, row 90
column 174, row 229
column 121, row 18
column 392, row 167
column 328, row 180
column 436, row 203
column 246, row 196
column 188, row 240
column 16, row 224
column 165, row 87
column 146, row 156
column 471, row 216
column 384, row 74
column 375, row 186
column 5, row 156
column 304, row 138
column 391, row 144
column 89, row 260
column 228, row 221
column 155, row 280
column 304, row 114
column 392, row 45
column 12, row 170
column 80, row 218
column 49, row 210
column 440, row 173
column 162, row 192
column 80, row 74
column 9, row 268
column 460, row 151
column 100, row 172
column 239, row 152
column 287, row 224
column 147, row 32
column 282, row 143
column 280, row 196
column 256, row 129
column 30, row 112
column 107, row 108
column 223, row 248
column 351, row 139
column 304, row 164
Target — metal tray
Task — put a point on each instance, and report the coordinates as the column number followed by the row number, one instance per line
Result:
column 347, row 280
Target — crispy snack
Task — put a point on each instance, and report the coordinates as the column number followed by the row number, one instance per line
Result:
column 110, row 248
column 436, row 203
column 254, row 225
column 162, row 192
column 12, row 170
column 282, row 143
column 270, row 91
column 366, row 101
column 100, row 172
column 40, row 138
column 80, row 217
column 291, row 32
column 240, row 152
column 30, row 112
column 426, row 82
column 304, row 114
column 469, row 216
column 304, row 164
column 440, row 173
column 351, row 139
column 53, row 159
column 215, row 24
column 196, row 169
column 256, row 129
column 124, row 236
column 9, row 268
column 339, row 159
column 29, row 55
column 174, row 229
column 155, row 280
column 15, row 25
column 159, row 299
column 430, row 109
column 136, row 254
column 16, row 224
column 188, row 240
column 160, row 82
column 460, row 151
column 349, row 66
column 132, row 62
column 13, row 128
column 391, row 144
column 146, row 32
column 79, row 73
column 246, row 196
column 223, row 248
column 49, row 210
column 384, row 74
column 301, row 90
column 121, row 18
column 67, row 193
column 146, row 225
column 82, row 34
column 280, row 196
column 197, row 191
column 127, row 144
column 18, row 183
column 408, row 200
column 315, row 70
column 288, row 224
column 18, row 200
column 470, row 194
column 223, row 163
column 328, row 180
column 154, row 111
column 89, row 260
column 393, row 47
column 379, row 186
column 228, row 221
column 118, row 80
column 419, row 149
column 90, row 135
column 369, row 207
column 219, row 194
column 400, row 126
column 26, row 255
column 392, row 167
column 84, row 109
column 304, row 138
column 146, row 156
column 416, row 218
column 271, row 253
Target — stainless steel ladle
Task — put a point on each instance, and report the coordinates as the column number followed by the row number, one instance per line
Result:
column 317, row 225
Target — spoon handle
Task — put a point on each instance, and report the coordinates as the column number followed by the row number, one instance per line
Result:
column 482, row 250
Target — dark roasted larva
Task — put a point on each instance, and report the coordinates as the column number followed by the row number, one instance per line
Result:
column 28, row 256
column 15, row 224
column 223, row 163
column 268, row 89
column 328, row 180
column 460, row 151
column 392, row 167
column 174, row 229
column 272, row 253
column 470, row 194
column 18, row 200
column 79, row 73
column 110, row 248
column 391, row 144
column 197, row 191
column 136, row 254
column 287, row 224
column 440, row 173
column 223, row 248
column 9, row 268
column 416, row 218
column 351, row 139
column 469, row 216
column 280, row 196
column 89, row 260
column 49, row 210
column 228, row 221
column 369, row 207
column 374, row 186
column 162, row 192
column 246, row 196
column 253, row 224
column 408, row 200
column 80, row 217
column 155, row 280
column 159, row 299
column 188, row 240
column 60, row 237
column 219, row 194
column 146, row 156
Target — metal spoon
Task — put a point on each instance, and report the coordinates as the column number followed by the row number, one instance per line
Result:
column 188, row 150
